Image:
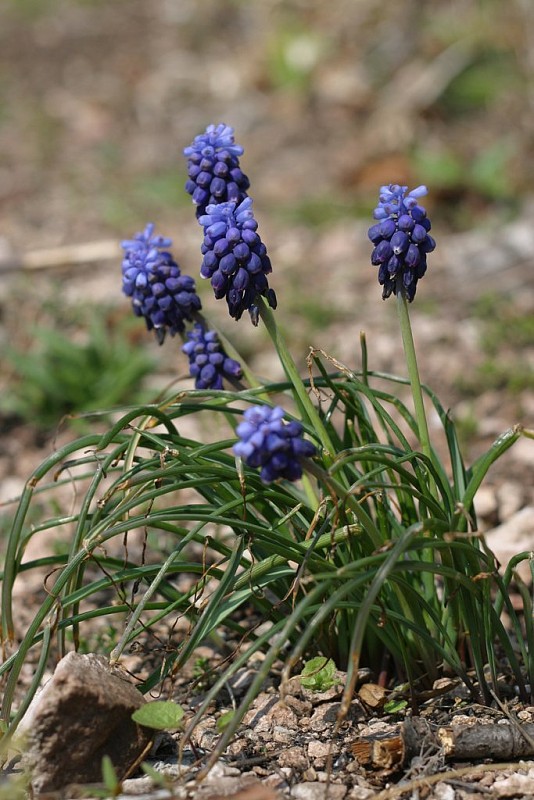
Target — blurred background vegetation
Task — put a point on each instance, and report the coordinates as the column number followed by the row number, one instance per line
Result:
column 330, row 100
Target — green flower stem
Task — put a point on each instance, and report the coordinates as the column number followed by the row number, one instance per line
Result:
column 413, row 371
column 307, row 408
column 345, row 496
column 417, row 394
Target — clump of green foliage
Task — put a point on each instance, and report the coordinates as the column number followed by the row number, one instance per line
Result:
column 318, row 674
column 367, row 553
column 60, row 375
column 506, row 336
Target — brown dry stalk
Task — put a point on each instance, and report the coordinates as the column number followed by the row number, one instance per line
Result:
column 496, row 740
column 63, row 256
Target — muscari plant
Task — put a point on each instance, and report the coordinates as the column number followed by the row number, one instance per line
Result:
column 316, row 517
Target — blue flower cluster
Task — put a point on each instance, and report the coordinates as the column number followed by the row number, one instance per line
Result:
column 235, row 258
column 401, row 238
column 208, row 362
column 159, row 291
column 272, row 443
column 213, row 168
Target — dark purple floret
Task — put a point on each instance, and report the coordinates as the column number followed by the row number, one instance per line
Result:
column 214, row 174
column 235, row 258
column 208, row 361
column 159, row 291
column 401, row 238
column 268, row 441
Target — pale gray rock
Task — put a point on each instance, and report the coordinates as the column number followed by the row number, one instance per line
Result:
column 510, row 497
column 516, row 785
column 443, row 791
column 83, row 713
column 360, row 793
column 243, row 787
column 267, row 712
column 323, row 716
column 320, row 751
column 293, row 757
column 143, row 789
column 318, row 791
column 486, row 505
column 514, row 536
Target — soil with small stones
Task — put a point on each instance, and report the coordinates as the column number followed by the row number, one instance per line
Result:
column 294, row 747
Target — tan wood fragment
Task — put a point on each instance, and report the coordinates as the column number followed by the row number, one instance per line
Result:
column 386, row 752
column 373, row 695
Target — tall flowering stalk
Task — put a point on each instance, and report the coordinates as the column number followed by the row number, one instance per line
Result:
column 234, row 257
column 402, row 241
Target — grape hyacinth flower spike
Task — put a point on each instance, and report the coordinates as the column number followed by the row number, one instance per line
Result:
column 268, row 441
column 401, row 238
column 235, row 258
column 153, row 280
column 213, row 168
column 208, row 361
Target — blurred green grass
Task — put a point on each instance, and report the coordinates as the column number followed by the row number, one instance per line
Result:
column 57, row 373
column 506, row 334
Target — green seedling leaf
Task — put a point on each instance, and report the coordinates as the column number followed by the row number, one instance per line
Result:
column 163, row 715
column 318, row 674
column 109, row 776
column 158, row 778
column 224, row 720
column 394, row 706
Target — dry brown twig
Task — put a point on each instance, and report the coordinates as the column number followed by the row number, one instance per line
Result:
column 63, row 256
column 461, row 742
column 451, row 775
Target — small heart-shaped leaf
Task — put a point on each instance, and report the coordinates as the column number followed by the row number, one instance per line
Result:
column 163, row 715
